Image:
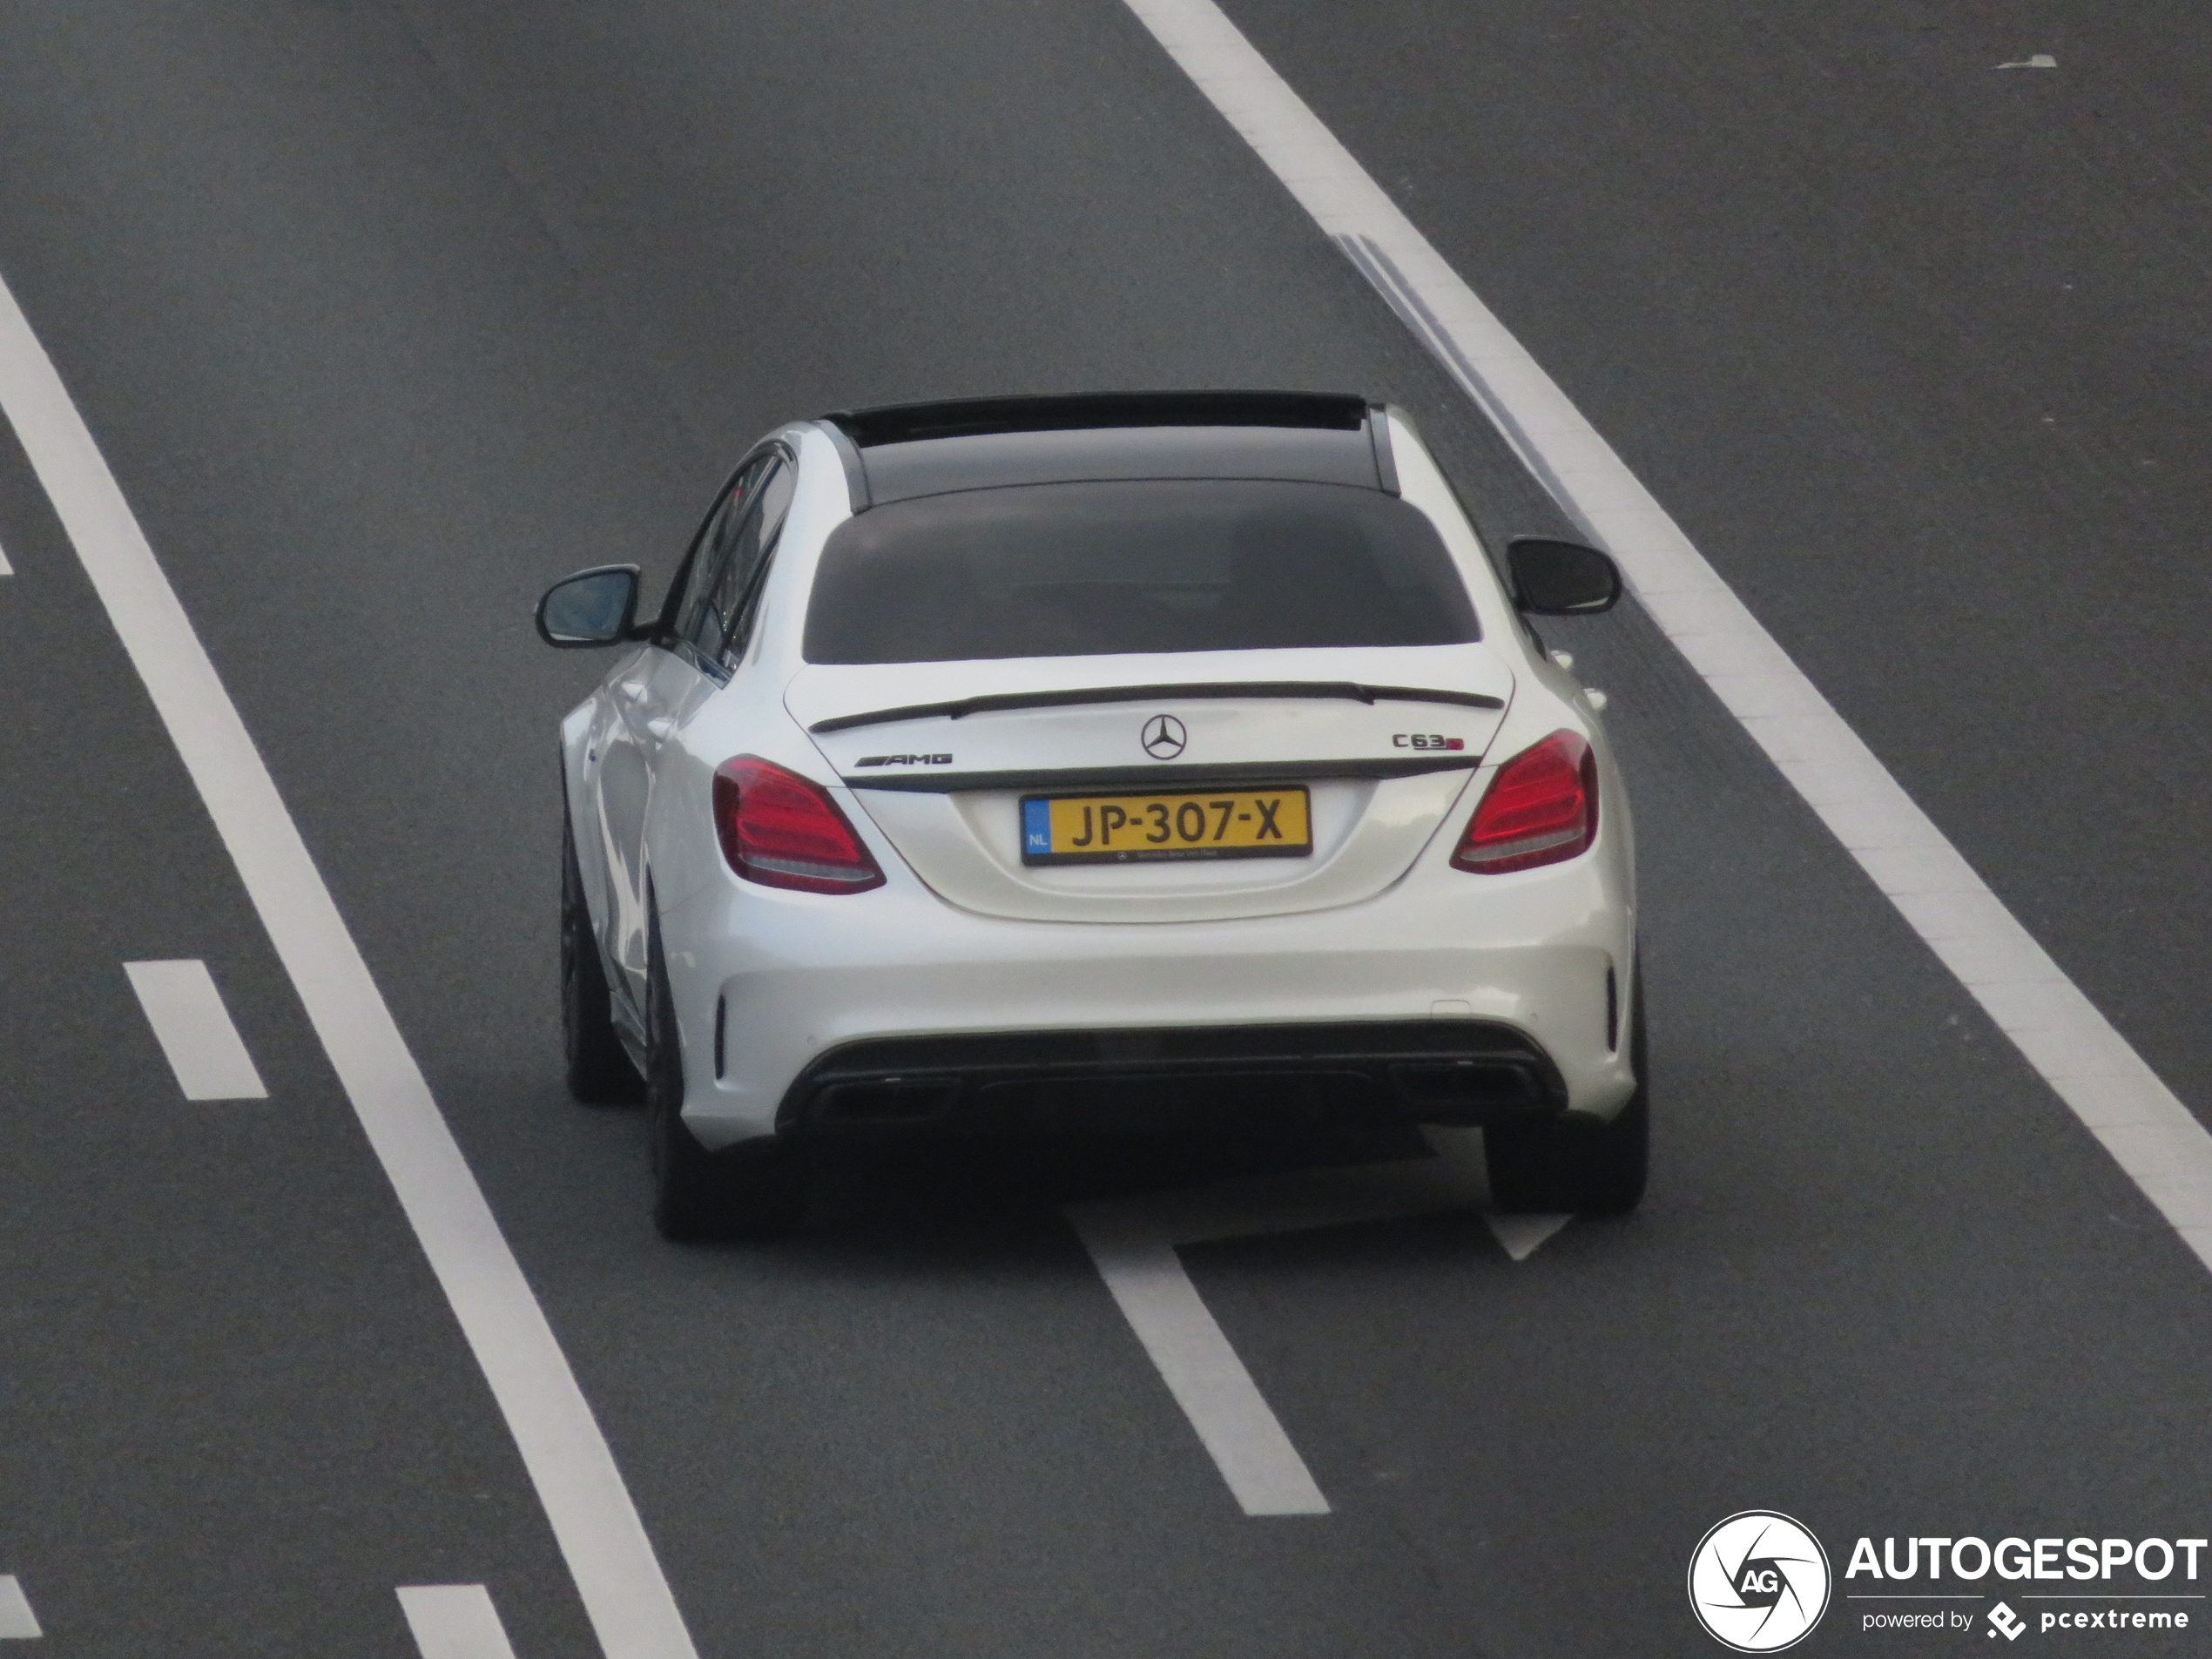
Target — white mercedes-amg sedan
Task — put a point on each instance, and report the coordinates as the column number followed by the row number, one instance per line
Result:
column 1073, row 764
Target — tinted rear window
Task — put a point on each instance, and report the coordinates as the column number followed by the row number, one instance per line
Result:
column 1103, row 569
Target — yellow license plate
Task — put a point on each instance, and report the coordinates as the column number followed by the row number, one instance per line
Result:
column 1198, row 824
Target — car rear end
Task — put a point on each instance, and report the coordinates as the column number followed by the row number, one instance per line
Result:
column 1116, row 761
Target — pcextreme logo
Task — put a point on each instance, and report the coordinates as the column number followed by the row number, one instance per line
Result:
column 2071, row 1583
column 1758, row 1581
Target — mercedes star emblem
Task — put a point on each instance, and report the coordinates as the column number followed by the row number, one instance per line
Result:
column 1164, row 737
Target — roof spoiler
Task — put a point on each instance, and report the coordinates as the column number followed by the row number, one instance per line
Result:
column 854, row 430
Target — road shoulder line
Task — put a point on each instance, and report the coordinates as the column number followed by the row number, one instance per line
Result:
column 2136, row 1118
column 623, row 1590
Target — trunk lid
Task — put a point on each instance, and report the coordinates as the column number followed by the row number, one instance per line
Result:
column 941, row 756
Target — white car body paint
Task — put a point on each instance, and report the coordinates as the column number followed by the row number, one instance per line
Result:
column 596, row 1525
column 2092, row 1067
column 962, row 940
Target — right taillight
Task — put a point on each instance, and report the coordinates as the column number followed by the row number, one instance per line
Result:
column 1541, row 808
column 784, row 831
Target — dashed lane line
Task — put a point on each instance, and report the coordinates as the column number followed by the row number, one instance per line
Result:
column 2091, row 1067
column 454, row 1622
column 1133, row 1242
column 195, row 1031
column 1193, row 1356
column 619, row 1579
column 18, row 1622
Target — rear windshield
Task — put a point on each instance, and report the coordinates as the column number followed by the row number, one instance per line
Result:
column 1100, row 569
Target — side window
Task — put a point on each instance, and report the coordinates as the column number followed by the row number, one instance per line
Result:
column 697, row 576
column 738, row 547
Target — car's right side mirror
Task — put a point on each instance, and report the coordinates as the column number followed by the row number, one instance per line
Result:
column 591, row 608
column 1556, row 578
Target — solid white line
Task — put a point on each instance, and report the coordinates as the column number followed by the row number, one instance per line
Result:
column 2148, row 1132
column 1265, row 1473
column 623, row 1591
column 454, row 1622
column 195, row 1031
column 18, row 1622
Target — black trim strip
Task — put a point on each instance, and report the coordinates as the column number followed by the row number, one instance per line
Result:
column 1347, row 691
column 1178, row 779
column 1465, row 1072
column 1095, row 411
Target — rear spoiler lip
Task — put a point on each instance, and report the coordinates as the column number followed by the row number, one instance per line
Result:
column 1169, row 779
column 1346, row 691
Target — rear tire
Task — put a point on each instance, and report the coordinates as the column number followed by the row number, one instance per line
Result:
column 599, row 1066
column 1575, row 1165
column 754, row 1190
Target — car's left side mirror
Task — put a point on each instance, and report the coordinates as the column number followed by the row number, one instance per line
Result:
column 591, row 608
column 1556, row 578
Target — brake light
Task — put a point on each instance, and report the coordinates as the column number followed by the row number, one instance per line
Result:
column 784, row 831
column 1541, row 808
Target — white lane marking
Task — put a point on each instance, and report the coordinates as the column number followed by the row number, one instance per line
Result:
column 2042, row 60
column 6, row 568
column 623, row 1591
column 1523, row 1236
column 1265, row 1473
column 2137, row 1119
column 195, row 1031
column 18, row 1622
column 1133, row 1242
column 454, row 1622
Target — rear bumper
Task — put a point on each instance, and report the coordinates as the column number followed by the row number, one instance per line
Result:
column 1464, row 1072
column 784, row 999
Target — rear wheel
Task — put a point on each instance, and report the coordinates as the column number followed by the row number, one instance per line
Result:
column 599, row 1069
column 753, row 1189
column 1577, row 1164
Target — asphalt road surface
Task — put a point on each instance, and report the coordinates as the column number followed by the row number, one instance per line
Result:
column 386, row 314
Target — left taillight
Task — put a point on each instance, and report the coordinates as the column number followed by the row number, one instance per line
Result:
column 784, row 831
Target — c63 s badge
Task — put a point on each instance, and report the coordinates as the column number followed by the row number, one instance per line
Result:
column 1426, row 740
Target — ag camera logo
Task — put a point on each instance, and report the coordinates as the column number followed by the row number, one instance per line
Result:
column 1758, row 1581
